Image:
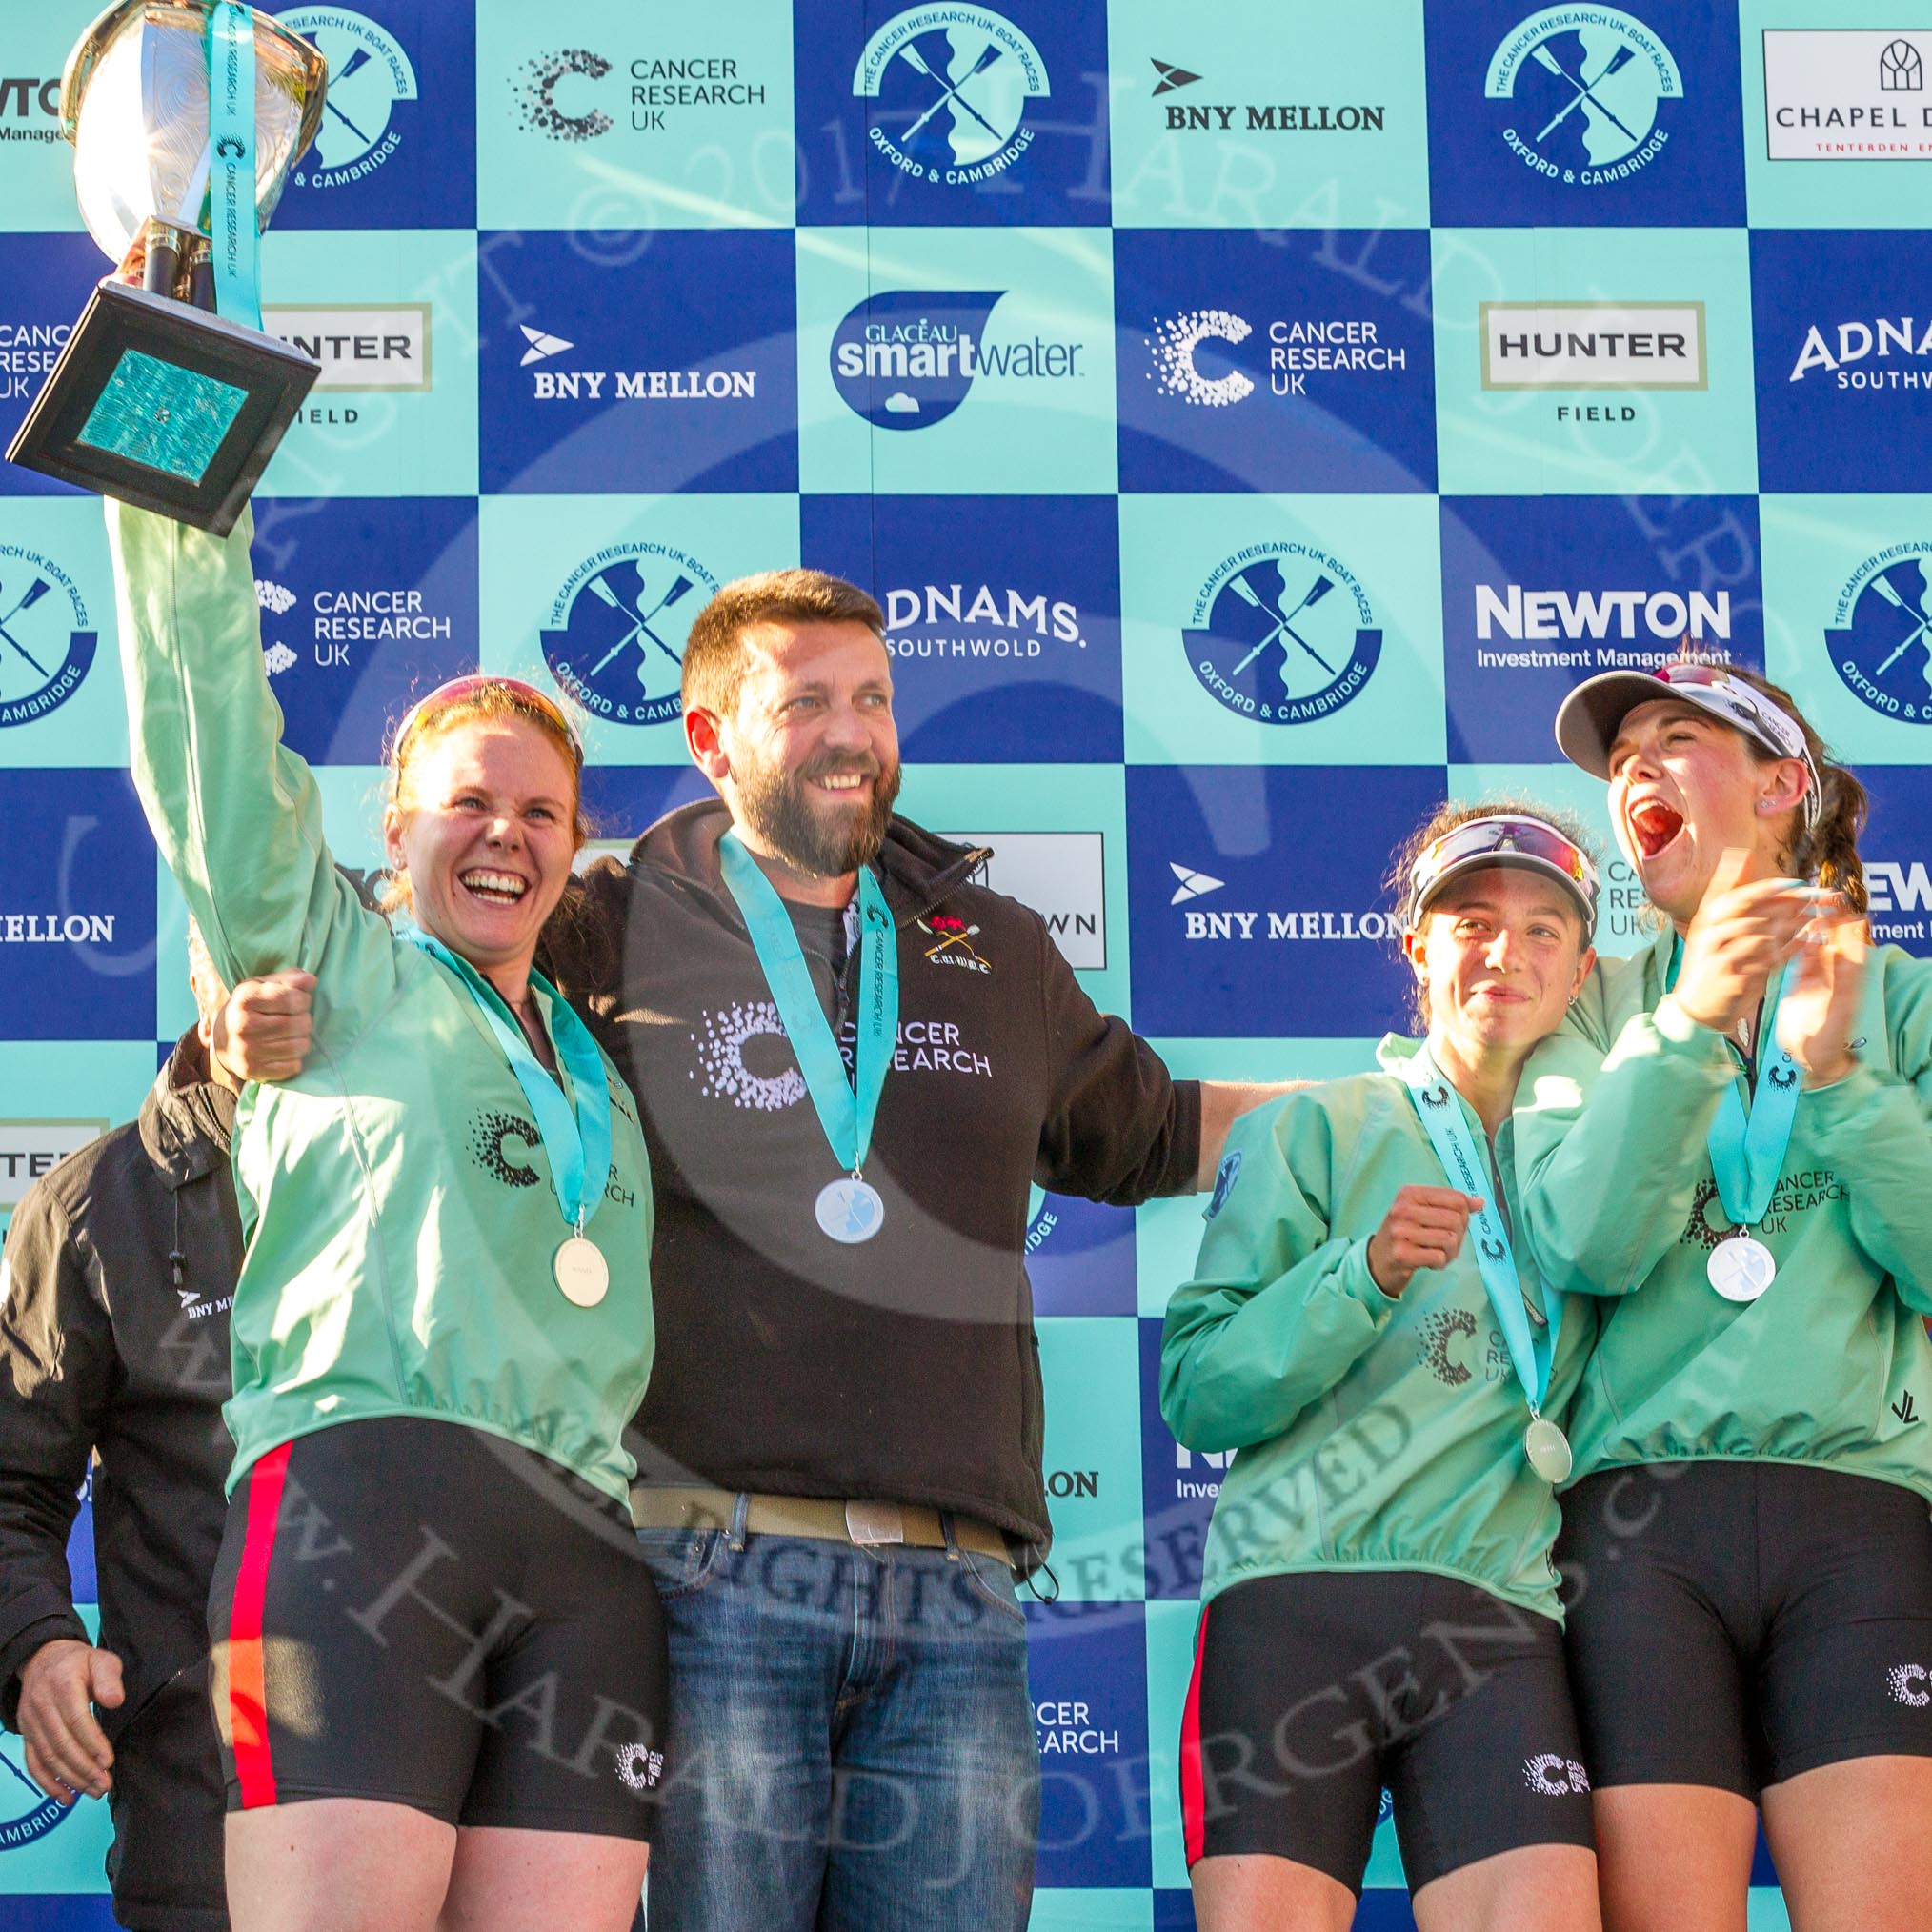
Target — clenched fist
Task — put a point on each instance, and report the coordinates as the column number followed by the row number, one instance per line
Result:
column 1424, row 1228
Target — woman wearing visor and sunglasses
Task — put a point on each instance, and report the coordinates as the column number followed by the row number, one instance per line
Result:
column 1363, row 1333
column 1746, row 1186
column 440, row 1677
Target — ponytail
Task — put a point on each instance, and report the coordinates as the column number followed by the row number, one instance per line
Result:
column 1828, row 852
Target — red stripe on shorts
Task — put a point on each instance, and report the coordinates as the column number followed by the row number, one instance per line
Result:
column 247, row 1695
column 1193, row 1798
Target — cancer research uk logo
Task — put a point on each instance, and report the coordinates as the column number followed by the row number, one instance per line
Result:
column 46, row 642
column 908, row 358
column 369, row 74
column 556, row 94
column 1881, row 641
column 949, row 87
column 1299, row 346
column 1283, row 632
column 617, row 630
column 1586, row 88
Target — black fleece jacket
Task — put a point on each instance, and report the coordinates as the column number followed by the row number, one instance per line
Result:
column 108, row 1343
column 905, row 1368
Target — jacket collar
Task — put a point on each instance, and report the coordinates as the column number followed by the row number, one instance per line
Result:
column 186, row 1121
column 918, row 869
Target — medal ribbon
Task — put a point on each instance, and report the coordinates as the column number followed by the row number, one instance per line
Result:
column 576, row 1141
column 1441, row 1114
column 846, row 1114
column 1747, row 1153
column 233, row 213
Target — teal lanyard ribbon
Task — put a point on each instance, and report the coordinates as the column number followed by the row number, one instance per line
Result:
column 1747, row 1153
column 1533, row 1352
column 234, row 222
column 846, row 1110
column 576, row 1141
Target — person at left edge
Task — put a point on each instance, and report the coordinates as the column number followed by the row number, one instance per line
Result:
column 116, row 1284
column 1380, row 1604
column 438, row 1661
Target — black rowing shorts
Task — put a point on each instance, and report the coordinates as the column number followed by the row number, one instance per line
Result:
column 1311, row 1692
column 416, row 1611
column 1734, row 1623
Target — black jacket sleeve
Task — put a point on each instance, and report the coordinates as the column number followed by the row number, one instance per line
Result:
column 1119, row 1128
column 57, row 1365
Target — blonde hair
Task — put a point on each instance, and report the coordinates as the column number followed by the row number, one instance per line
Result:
column 484, row 703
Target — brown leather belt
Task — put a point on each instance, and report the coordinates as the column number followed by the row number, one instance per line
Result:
column 865, row 1522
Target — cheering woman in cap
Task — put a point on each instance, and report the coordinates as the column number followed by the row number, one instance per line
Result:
column 1363, row 1332
column 439, row 1667
column 1746, row 1186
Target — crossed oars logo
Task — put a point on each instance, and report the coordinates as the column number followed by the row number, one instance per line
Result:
column 606, row 593
column 39, row 589
column 915, row 60
column 354, row 64
column 1285, row 621
column 1887, row 591
column 1616, row 63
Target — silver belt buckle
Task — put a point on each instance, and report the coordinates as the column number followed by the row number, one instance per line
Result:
column 867, row 1523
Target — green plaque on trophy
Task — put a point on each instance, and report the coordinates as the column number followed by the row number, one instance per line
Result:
column 186, row 117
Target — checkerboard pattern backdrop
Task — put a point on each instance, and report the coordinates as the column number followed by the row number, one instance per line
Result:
column 1252, row 414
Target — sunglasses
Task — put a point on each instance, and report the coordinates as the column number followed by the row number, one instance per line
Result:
column 526, row 695
column 1504, row 838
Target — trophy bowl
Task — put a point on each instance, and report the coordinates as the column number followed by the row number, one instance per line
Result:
column 157, row 398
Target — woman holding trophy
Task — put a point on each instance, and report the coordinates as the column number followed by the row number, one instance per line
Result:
column 439, row 1662
column 1744, row 1187
column 439, row 1665
column 1366, row 1332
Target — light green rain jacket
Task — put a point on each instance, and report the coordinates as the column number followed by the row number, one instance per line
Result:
column 397, row 1201
column 1369, row 1433
column 1831, row 1366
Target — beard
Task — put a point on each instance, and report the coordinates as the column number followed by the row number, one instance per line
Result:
column 824, row 841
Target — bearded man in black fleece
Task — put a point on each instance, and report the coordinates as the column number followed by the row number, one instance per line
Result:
column 853, row 1063
column 116, row 1284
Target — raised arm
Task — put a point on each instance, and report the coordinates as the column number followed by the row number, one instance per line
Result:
column 235, row 813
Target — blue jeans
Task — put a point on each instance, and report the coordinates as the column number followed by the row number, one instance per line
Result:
column 852, row 1740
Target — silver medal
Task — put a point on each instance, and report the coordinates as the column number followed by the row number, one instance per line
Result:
column 850, row 1208
column 581, row 1270
column 1741, row 1268
column 1548, row 1450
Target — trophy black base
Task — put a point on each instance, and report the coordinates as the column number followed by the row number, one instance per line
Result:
column 165, row 407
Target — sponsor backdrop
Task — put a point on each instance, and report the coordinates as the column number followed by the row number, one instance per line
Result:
column 1251, row 415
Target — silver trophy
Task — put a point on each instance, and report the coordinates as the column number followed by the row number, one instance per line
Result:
column 169, row 395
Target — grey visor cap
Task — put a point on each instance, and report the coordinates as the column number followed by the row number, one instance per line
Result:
column 1593, row 713
column 1509, row 861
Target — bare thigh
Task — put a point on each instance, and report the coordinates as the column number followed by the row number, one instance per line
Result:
column 1536, row 1888
column 1673, row 1858
column 1853, row 1845
column 1255, row 1892
column 510, row 1880
column 337, row 1864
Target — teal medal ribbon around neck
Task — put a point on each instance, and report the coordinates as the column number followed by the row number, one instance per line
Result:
column 1748, row 1151
column 234, row 221
column 1532, row 1350
column 849, row 1210
column 577, row 1140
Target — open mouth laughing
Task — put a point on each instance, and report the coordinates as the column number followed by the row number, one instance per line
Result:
column 494, row 887
column 1654, row 825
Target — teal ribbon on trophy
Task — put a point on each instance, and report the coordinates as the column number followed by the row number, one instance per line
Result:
column 235, row 224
